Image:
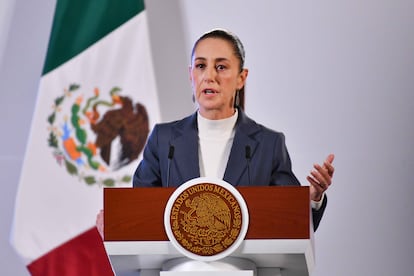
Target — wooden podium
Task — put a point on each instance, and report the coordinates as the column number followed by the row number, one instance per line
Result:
column 279, row 239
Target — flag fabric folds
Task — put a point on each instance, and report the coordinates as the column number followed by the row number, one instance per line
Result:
column 96, row 104
column 82, row 255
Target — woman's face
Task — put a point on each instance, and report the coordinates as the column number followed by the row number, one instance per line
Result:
column 215, row 76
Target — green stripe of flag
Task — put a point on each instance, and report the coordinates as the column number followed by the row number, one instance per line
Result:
column 78, row 24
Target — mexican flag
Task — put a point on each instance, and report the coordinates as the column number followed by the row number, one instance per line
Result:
column 96, row 104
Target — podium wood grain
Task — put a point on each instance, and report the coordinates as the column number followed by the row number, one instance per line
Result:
column 137, row 214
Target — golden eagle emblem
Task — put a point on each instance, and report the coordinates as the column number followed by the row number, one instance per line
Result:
column 206, row 219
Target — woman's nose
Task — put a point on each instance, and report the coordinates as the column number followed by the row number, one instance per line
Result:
column 209, row 74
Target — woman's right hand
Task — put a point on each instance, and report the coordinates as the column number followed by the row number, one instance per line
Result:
column 100, row 223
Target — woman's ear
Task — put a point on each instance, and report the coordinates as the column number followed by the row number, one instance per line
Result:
column 242, row 78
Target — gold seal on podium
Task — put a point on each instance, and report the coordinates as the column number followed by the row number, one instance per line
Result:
column 206, row 219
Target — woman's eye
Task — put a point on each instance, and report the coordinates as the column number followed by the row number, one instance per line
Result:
column 221, row 67
column 200, row 66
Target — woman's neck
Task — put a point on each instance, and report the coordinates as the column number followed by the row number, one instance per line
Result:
column 216, row 114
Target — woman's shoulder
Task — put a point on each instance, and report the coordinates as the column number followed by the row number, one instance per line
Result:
column 177, row 125
column 250, row 125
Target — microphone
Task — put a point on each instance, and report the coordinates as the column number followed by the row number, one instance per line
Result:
column 248, row 157
column 170, row 156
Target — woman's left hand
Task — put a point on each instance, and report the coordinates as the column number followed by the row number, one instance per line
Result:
column 320, row 178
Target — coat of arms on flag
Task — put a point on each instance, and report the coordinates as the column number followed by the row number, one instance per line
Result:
column 96, row 133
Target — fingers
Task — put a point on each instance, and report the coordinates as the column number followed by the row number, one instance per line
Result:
column 329, row 168
column 328, row 164
column 319, row 180
column 330, row 158
column 99, row 216
column 316, row 191
column 320, row 177
column 100, row 223
column 315, row 183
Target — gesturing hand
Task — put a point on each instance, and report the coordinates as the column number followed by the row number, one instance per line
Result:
column 320, row 178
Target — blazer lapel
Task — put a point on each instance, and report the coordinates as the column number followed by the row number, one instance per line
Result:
column 244, row 137
column 185, row 142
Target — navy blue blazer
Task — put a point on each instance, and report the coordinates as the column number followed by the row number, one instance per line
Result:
column 269, row 162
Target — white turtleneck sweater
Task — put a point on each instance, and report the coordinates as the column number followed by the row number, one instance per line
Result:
column 215, row 141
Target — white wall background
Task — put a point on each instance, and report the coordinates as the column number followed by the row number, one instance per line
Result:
column 335, row 76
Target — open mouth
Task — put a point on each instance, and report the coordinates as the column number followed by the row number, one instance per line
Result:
column 209, row 91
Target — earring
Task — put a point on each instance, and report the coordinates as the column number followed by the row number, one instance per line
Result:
column 236, row 99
